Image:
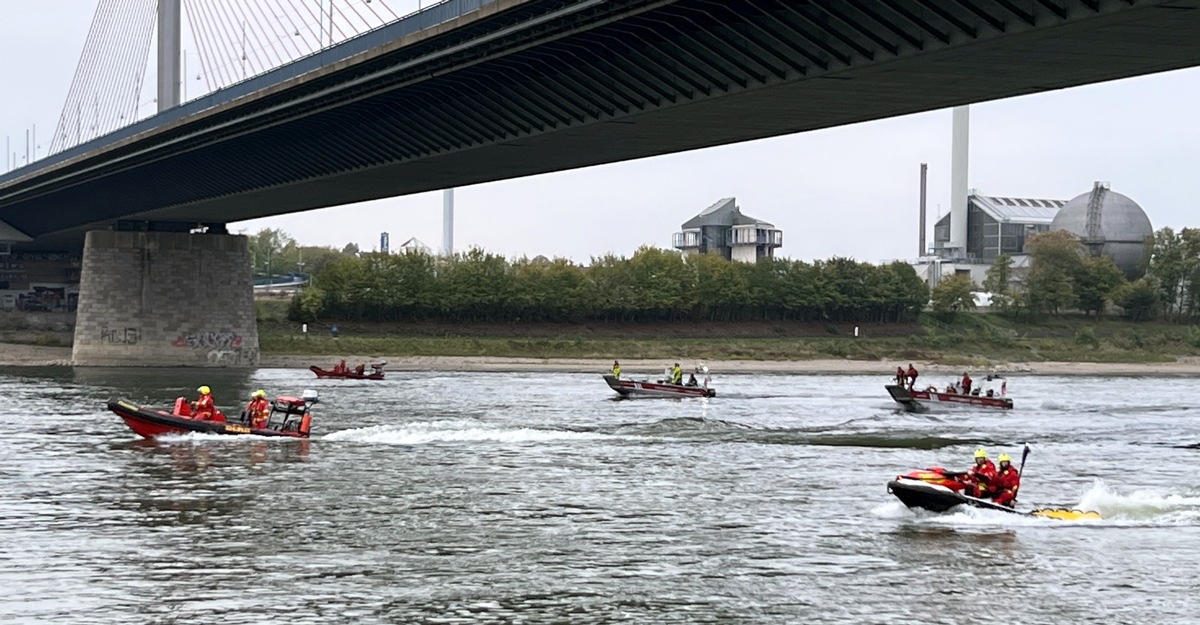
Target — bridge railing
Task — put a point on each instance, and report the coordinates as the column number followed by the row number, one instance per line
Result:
column 426, row 17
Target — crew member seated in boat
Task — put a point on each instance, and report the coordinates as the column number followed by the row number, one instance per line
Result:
column 258, row 411
column 980, row 478
column 692, row 380
column 203, row 408
column 616, row 370
column 359, row 369
column 1007, row 482
column 340, row 368
column 912, row 376
column 677, row 374
column 966, row 384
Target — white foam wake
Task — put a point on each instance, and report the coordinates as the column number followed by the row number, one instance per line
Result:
column 421, row 433
column 1158, row 506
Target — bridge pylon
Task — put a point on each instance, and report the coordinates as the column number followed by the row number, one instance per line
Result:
column 165, row 299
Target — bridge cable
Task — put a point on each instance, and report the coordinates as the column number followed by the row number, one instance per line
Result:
column 219, row 50
column 228, row 38
column 124, row 60
column 294, row 31
column 85, row 77
column 193, row 20
column 259, row 32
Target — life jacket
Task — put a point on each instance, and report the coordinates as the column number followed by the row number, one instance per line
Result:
column 259, row 411
column 204, row 407
column 1007, row 479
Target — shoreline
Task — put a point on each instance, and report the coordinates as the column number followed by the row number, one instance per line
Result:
column 20, row 355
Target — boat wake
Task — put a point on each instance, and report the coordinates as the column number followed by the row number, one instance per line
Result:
column 721, row 431
column 1139, row 508
column 1144, row 506
column 426, row 432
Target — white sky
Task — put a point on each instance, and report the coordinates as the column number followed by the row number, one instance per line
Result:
column 848, row 191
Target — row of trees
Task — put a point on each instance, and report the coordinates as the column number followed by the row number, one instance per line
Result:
column 273, row 251
column 652, row 285
column 1061, row 277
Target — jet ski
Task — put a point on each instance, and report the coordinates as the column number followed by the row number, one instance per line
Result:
column 938, row 490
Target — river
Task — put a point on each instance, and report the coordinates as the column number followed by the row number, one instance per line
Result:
column 538, row 498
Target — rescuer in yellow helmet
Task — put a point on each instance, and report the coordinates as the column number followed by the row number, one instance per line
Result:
column 1007, row 482
column 258, row 411
column 979, row 477
column 203, row 408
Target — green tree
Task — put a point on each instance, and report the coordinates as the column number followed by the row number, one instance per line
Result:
column 272, row 251
column 997, row 280
column 1096, row 279
column 954, row 293
column 910, row 294
column 1055, row 258
column 1139, row 299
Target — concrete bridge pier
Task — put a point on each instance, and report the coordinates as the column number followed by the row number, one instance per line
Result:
column 165, row 299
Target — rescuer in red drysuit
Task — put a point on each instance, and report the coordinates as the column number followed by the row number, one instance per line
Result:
column 1007, row 482
column 981, row 477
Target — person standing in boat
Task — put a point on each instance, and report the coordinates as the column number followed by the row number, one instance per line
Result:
column 901, row 377
column 912, row 376
column 677, row 374
column 980, row 479
column 1007, row 483
column 203, row 408
column 616, row 370
column 258, row 411
column 966, row 384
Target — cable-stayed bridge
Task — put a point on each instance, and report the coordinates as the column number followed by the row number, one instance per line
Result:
column 469, row 91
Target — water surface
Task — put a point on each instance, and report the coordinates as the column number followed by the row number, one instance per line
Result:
column 538, row 498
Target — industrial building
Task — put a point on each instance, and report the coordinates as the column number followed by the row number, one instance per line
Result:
column 722, row 228
column 979, row 228
column 995, row 226
column 1108, row 224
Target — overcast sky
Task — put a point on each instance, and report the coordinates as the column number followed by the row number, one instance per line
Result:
column 848, row 191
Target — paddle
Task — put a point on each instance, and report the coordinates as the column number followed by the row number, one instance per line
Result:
column 1021, row 471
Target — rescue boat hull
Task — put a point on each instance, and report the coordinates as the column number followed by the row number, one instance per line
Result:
column 921, row 401
column 645, row 388
column 936, row 498
column 150, row 422
column 346, row 375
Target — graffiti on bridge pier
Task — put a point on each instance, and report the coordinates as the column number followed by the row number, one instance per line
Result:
column 227, row 340
column 121, row 336
column 241, row 356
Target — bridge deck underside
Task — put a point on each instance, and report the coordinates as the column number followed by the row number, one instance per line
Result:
column 548, row 86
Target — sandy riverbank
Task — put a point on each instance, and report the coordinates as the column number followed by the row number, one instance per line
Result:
column 1184, row 366
column 34, row 355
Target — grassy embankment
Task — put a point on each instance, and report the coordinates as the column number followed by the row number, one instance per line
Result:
column 967, row 339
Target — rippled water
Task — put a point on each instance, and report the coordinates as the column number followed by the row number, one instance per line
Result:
column 537, row 498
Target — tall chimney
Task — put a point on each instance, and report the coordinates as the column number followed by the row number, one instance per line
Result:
column 921, row 236
column 448, row 222
column 958, row 178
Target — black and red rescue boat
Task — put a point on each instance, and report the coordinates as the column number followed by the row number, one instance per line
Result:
column 290, row 417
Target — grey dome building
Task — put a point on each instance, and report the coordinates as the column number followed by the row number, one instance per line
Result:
column 1108, row 224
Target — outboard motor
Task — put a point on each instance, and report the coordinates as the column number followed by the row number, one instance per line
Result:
column 310, row 397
